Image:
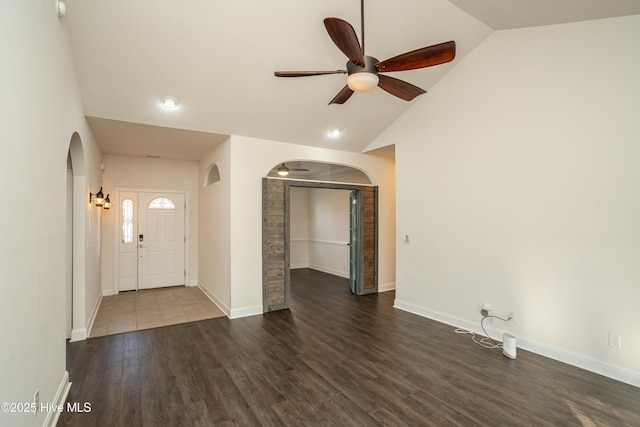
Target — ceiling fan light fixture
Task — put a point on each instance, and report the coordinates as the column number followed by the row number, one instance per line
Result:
column 283, row 170
column 362, row 82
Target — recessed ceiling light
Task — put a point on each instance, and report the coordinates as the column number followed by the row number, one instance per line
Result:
column 169, row 102
column 334, row 133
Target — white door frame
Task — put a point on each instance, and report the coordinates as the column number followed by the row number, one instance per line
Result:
column 116, row 231
column 69, row 256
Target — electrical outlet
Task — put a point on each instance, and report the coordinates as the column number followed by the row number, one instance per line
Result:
column 486, row 309
column 615, row 341
column 511, row 315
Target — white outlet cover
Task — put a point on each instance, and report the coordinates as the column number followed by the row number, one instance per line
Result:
column 615, row 341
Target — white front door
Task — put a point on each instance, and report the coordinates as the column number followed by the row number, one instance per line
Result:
column 161, row 240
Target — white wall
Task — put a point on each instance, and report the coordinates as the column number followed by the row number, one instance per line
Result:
column 214, row 234
column 340, row 174
column 320, row 230
column 518, row 185
column 139, row 174
column 329, row 231
column 299, row 223
column 251, row 159
column 38, row 77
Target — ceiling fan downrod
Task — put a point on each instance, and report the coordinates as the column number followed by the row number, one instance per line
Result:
column 362, row 24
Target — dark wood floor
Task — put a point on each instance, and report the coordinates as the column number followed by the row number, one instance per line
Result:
column 333, row 359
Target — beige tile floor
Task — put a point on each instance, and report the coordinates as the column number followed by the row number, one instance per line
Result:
column 152, row 308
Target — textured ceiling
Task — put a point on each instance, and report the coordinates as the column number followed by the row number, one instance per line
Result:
column 217, row 57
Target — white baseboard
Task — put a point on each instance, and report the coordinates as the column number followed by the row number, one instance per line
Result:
column 301, row 265
column 79, row 334
column 232, row 313
column 381, row 287
column 222, row 306
column 329, row 242
column 59, row 399
column 94, row 313
column 236, row 313
column 108, row 292
column 335, row 272
column 386, row 287
column 602, row 368
column 193, row 283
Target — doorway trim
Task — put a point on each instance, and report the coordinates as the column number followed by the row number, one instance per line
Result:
column 78, row 238
column 276, row 245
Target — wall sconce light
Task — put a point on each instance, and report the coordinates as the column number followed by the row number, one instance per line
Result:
column 97, row 199
column 107, row 203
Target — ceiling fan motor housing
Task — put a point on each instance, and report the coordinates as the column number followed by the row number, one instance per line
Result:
column 368, row 67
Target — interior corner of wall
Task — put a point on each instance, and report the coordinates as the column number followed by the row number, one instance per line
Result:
column 376, row 144
column 384, row 287
column 217, row 301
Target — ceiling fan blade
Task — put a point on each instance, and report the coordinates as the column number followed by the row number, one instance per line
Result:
column 300, row 169
column 306, row 73
column 344, row 36
column 420, row 58
column 399, row 88
column 342, row 96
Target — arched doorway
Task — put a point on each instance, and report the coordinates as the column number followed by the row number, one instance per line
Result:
column 276, row 217
column 311, row 170
column 75, row 238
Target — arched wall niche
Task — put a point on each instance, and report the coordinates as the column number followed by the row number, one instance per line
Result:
column 312, row 170
column 212, row 176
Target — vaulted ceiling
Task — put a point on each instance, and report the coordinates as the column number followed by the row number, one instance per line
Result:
column 217, row 58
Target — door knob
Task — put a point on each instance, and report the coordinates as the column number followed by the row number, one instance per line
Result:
column 141, row 246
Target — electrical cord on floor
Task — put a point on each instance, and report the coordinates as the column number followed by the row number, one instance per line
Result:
column 486, row 341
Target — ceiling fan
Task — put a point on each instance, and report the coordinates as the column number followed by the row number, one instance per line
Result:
column 363, row 71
